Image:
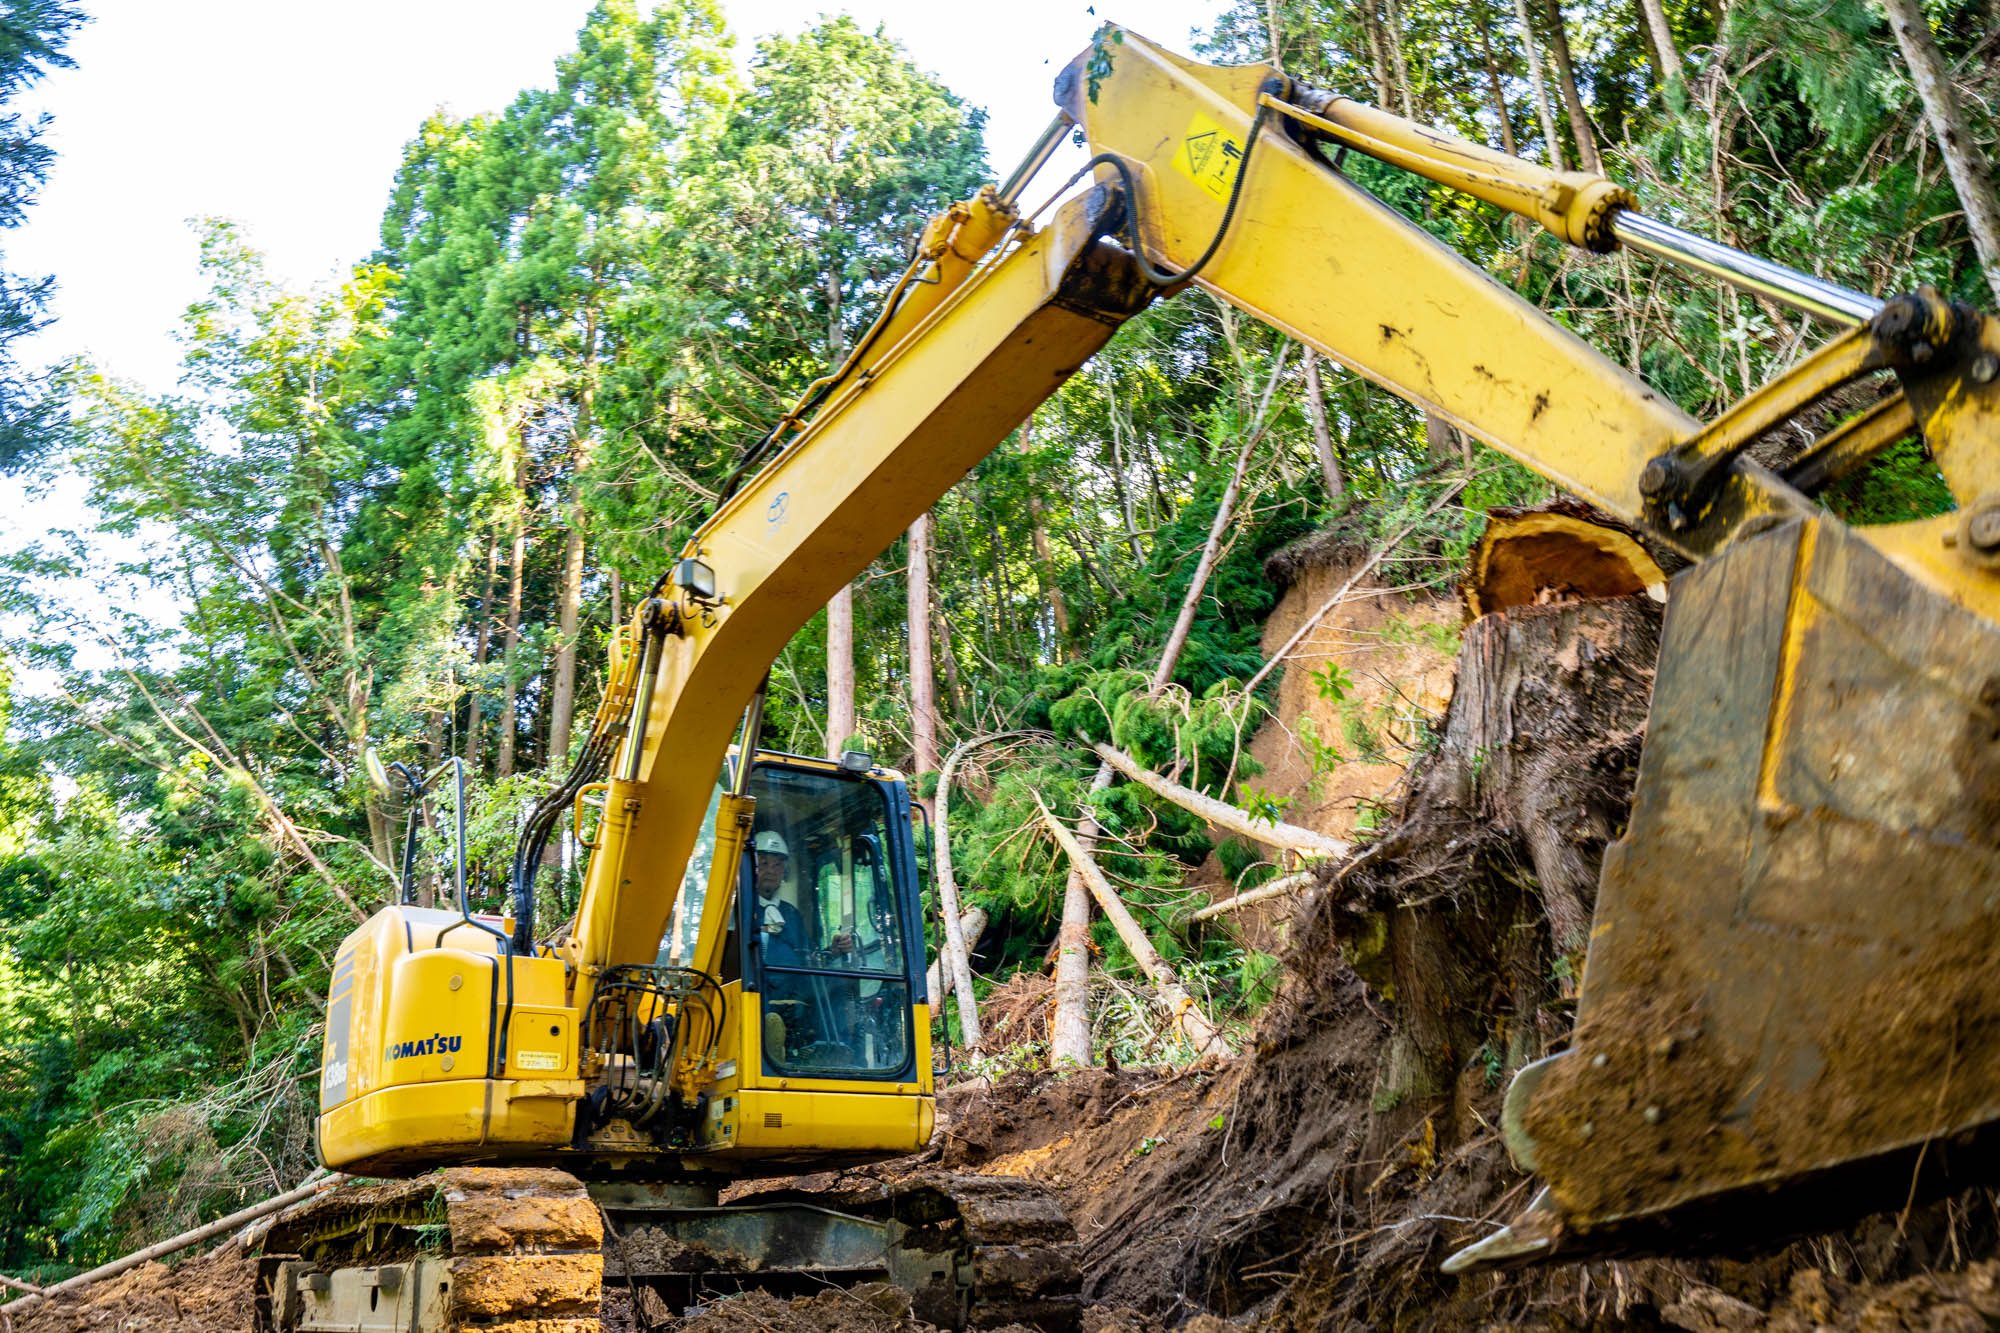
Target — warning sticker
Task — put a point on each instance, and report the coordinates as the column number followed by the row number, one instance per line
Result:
column 538, row 1060
column 1209, row 157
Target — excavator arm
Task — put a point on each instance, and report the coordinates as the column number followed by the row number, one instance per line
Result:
column 1786, row 982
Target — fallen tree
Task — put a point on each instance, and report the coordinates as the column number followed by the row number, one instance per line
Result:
column 1203, row 1035
column 955, row 964
column 172, row 1245
column 1277, row 888
column 1069, row 1032
column 1270, row 832
column 1425, row 970
column 970, row 925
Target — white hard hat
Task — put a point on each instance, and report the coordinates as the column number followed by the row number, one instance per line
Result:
column 770, row 840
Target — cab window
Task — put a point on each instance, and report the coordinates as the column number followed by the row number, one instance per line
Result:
column 822, row 910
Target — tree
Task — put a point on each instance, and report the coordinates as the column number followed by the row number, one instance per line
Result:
column 793, row 228
column 32, row 36
column 1953, row 132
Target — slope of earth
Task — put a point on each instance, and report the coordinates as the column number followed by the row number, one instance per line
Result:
column 1358, row 689
column 202, row 1293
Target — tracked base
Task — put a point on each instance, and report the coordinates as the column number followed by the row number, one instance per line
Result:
column 972, row 1251
column 503, row 1249
column 516, row 1250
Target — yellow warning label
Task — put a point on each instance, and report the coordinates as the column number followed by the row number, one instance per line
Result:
column 1209, row 157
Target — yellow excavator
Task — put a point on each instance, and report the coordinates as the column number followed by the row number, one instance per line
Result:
column 1788, row 1013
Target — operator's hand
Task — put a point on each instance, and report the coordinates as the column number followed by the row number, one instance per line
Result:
column 842, row 943
column 774, row 920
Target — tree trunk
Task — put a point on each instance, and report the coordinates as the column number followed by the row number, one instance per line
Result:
column 1329, row 462
column 517, row 559
column 1392, row 31
column 970, row 927
column 840, row 671
column 562, row 697
column 1186, row 1015
column 1539, row 87
column 1124, row 492
column 1579, row 121
column 1378, row 58
column 1494, row 87
column 1069, row 1029
column 923, row 684
column 1532, row 770
column 941, row 632
column 957, row 964
column 479, row 647
column 1045, row 574
column 1942, row 109
column 1271, row 833
column 1666, row 56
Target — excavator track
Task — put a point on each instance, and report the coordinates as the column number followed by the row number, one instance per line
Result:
column 496, row 1249
column 523, row 1250
column 1016, row 1254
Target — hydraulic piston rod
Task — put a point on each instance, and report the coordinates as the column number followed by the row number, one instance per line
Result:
column 1813, row 295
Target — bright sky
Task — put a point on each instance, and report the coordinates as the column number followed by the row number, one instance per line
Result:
column 290, row 118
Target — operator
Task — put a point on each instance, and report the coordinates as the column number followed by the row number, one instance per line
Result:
column 787, row 943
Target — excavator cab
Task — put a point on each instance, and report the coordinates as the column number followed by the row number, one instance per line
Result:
column 830, row 898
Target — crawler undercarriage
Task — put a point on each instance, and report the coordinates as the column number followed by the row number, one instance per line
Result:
column 530, row 1250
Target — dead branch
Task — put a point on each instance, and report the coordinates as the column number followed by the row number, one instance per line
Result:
column 1271, row 833
column 1277, row 888
column 1206, row 1038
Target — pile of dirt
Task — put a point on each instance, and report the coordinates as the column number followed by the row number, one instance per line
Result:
column 205, row 1293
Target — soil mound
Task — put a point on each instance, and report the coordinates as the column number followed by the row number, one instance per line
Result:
column 206, row 1293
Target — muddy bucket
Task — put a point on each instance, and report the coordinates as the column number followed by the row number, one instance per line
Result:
column 1790, row 1012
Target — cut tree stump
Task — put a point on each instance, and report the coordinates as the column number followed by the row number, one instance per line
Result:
column 1486, row 907
column 1563, row 551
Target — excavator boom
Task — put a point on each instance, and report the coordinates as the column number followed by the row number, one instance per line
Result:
column 1786, row 981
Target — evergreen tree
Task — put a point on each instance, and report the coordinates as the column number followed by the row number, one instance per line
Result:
column 32, row 36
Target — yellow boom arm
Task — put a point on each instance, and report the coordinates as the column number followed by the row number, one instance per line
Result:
column 1807, row 669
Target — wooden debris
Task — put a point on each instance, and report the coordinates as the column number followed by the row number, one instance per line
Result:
column 1203, row 1035
column 1277, row 888
column 1269, row 832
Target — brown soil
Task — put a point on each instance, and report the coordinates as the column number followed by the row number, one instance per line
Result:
column 205, row 1293
column 874, row 1307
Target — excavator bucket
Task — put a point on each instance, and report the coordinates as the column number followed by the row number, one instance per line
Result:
column 1790, row 1013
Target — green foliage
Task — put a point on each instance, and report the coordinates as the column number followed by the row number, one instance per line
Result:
column 1902, row 484
column 33, row 34
column 1332, row 682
